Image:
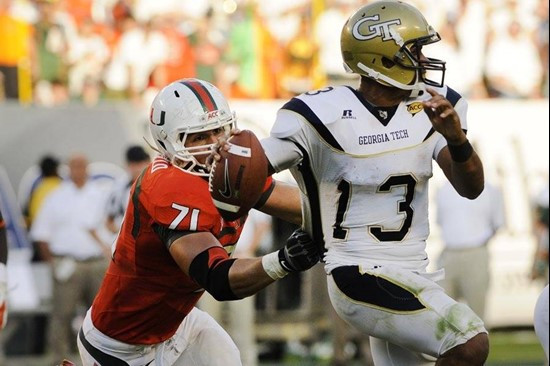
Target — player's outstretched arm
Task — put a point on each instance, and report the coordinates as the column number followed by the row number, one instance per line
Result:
column 202, row 257
column 284, row 202
column 458, row 159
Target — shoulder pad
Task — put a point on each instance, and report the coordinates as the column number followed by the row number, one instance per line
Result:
column 320, row 106
column 286, row 124
column 452, row 96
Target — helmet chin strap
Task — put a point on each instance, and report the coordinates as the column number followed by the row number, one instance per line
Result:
column 416, row 90
column 151, row 145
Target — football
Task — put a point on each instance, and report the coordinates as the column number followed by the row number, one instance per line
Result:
column 237, row 180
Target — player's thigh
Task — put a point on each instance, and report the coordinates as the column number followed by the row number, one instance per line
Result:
column 402, row 307
column 388, row 354
column 199, row 341
column 96, row 348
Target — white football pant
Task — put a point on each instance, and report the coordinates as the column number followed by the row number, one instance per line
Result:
column 199, row 341
column 407, row 312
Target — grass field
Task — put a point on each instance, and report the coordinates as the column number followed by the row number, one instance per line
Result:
column 508, row 348
column 515, row 348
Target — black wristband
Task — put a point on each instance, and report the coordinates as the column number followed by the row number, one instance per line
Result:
column 461, row 153
column 265, row 195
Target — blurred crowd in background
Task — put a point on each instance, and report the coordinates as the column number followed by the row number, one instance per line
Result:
column 56, row 51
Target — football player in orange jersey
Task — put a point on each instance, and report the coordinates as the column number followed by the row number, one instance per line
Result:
column 173, row 245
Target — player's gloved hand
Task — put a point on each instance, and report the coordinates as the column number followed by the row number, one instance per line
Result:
column 3, row 295
column 221, row 144
column 299, row 253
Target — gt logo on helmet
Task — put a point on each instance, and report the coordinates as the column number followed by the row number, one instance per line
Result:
column 376, row 30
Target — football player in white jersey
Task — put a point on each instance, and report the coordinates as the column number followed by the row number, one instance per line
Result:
column 362, row 159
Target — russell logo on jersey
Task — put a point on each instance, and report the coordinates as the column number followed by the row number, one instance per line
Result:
column 347, row 114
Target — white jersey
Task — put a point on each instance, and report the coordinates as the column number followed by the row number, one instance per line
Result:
column 363, row 172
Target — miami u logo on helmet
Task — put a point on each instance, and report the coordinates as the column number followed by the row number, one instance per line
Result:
column 162, row 115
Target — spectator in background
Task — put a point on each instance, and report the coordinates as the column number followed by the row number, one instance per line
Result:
column 115, row 76
column 52, row 32
column 136, row 160
column 86, row 57
column 79, row 10
column 500, row 63
column 65, row 229
column 208, row 43
column 3, row 273
column 48, row 181
column 16, row 49
column 470, row 19
column 334, row 15
column 541, row 40
column 466, row 227
column 242, row 56
column 448, row 49
column 251, row 50
column 298, row 71
column 180, row 61
column 127, row 74
column 151, row 45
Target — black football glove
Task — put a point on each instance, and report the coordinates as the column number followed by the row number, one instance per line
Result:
column 300, row 252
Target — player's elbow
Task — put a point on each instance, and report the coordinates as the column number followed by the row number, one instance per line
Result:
column 213, row 276
column 472, row 195
column 472, row 187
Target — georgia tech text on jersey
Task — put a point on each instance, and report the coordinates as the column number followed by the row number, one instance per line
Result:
column 383, row 137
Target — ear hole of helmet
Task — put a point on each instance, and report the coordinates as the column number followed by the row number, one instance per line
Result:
column 387, row 63
column 162, row 144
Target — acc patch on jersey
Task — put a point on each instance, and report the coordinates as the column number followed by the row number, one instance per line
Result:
column 415, row 107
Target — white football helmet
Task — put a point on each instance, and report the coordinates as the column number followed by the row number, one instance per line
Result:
column 184, row 107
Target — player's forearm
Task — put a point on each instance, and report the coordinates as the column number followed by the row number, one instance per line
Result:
column 284, row 203
column 468, row 177
column 247, row 276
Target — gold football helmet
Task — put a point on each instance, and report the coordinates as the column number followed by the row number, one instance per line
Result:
column 383, row 40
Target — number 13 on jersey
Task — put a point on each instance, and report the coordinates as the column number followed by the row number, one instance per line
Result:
column 404, row 207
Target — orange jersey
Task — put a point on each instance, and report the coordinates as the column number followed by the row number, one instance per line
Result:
column 145, row 295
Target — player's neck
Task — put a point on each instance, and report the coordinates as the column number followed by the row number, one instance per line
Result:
column 381, row 96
